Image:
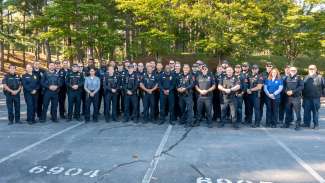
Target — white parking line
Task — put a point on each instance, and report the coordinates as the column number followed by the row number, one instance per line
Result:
column 38, row 143
column 153, row 165
column 308, row 168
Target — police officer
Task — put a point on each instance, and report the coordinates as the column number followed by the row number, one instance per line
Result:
column 229, row 85
column 130, row 86
column 101, row 74
column 83, row 92
column 11, row 88
column 111, row 87
column 149, row 84
column 140, row 74
column 91, row 65
column 313, row 86
column 167, row 85
column 204, row 86
column 172, row 65
column 120, row 71
column 31, row 85
column 293, row 89
column 63, row 89
column 39, row 72
column 195, row 73
column 284, row 98
column 265, row 74
column 245, row 72
column 218, row 75
column 158, row 72
column 51, row 82
column 255, row 84
column 185, row 86
column 177, row 74
column 242, row 77
column 74, row 82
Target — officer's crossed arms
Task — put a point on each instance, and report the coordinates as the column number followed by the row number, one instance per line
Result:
column 229, row 73
column 12, row 71
column 203, row 91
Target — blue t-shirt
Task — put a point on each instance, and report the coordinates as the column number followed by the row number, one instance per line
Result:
column 273, row 86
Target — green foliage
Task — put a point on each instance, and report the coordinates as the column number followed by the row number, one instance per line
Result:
column 137, row 28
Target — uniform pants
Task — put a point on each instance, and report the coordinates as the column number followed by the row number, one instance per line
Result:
column 111, row 103
column 13, row 106
column 31, row 102
column 74, row 101
column 167, row 106
column 52, row 97
column 130, row 101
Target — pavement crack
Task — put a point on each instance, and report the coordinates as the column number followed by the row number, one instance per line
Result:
column 115, row 167
column 197, row 170
column 170, row 148
column 191, row 165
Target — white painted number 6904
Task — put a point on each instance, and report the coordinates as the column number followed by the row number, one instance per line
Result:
column 55, row 170
column 73, row 171
column 37, row 169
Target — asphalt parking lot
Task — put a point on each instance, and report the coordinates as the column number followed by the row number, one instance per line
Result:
column 119, row 152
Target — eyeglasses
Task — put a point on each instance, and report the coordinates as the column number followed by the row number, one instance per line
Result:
column 293, row 70
column 171, row 63
column 311, row 68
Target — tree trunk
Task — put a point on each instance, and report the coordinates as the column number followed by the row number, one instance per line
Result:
column 47, row 48
column 37, row 50
column 24, row 33
column 2, row 54
column 47, row 51
column 127, row 37
column 8, row 29
column 91, row 52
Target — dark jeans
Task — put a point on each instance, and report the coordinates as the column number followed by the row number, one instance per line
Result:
column 311, row 106
column 91, row 100
column 216, row 105
column 239, row 108
column 295, row 104
column 204, row 103
column 272, row 111
column 247, row 106
column 254, row 107
column 186, row 106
